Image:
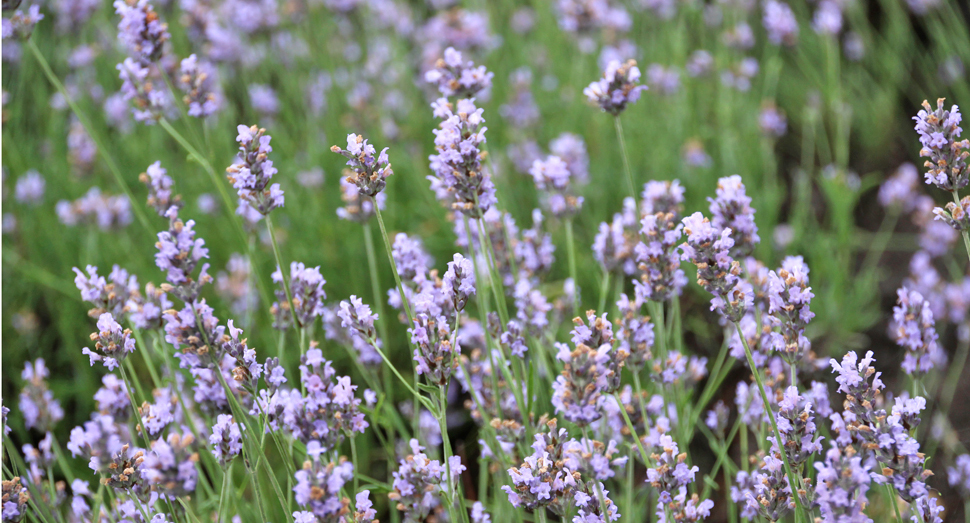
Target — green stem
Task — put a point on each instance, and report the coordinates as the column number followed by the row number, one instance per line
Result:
column 222, row 494
column 792, row 480
column 966, row 236
column 571, row 253
column 378, row 300
column 108, row 159
column 626, row 163
column 283, row 275
column 603, row 292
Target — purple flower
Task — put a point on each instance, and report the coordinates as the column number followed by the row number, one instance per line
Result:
column 112, row 344
column 454, row 77
column 15, row 496
column 460, row 180
column 179, row 252
column 618, row 87
column 658, row 264
column 459, row 281
column 828, row 18
column 899, row 189
column 572, row 149
column 358, row 207
column 552, row 176
column 853, row 380
column 106, row 211
column 589, row 374
column 106, row 297
column 593, row 459
column 37, row 404
column 417, row 485
column 160, row 184
column 356, row 317
column 521, row 112
column 663, row 80
column 226, row 439
column 370, row 172
column 841, row 485
column 30, row 188
column 149, row 100
column 939, row 131
column 671, row 471
column 772, row 120
column 263, row 99
column 709, row 249
column 959, row 475
column 306, row 287
column 732, row 209
column 789, row 297
column 531, row 306
column 200, row 86
column 170, row 465
column 112, row 398
column 252, row 171
column 20, row 26
column 780, row 23
column 544, row 479
column 635, row 334
column 141, row 30
column 318, row 488
column 956, row 215
column 435, row 356
column 614, row 244
column 915, row 331
column 579, row 16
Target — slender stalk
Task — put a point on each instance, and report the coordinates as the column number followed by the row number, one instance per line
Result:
column 603, row 292
column 485, row 241
column 283, row 275
column 378, row 299
column 353, row 457
column 626, row 163
column 792, row 480
column 894, row 502
column 571, row 253
column 222, row 494
column 108, row 159
column 446, row 449
column 633, row 431
column 966, row 236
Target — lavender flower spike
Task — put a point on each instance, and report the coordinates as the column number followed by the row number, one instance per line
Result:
column 732, row 208
column 717, row 271
column 179, row 252
column 788, row 299
column 369, row 172
column 915, row 330
column 159, row 184
column 618, row 87
column 938, row 132
column 111, row 343
column 198, row 82
column 306, row 286
column 141, row 30
column 459, row 281
column 459, row 179
column 20, row 26
column 453, row 77
column 251, row 173
column 356, row 315
column 226, row 439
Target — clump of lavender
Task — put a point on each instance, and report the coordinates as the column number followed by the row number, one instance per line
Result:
column 15, row 496
column 938, row 132
column 717, row 272
column 553, row 177
column 593, row 459
column 37, row 404
column 20, row 25
column 956, row 214
column 841, row 485
column 141, row 30
column 660, row 275
column 635, row 335
column 780, row 23
column 112, row 344
column 418, row 483
column 618, row 87
column 459, row 281
column 590, row 372
column 106, row 211
column 306, row 286
column 169, row 466
column 179, row 252
column 124, row 471
column 329, row 412
column 544, row 479
column 772, row 120
column 159, row 184
column 357, row 207
column 149, row 101
column 30, row 188
column 200, row 87
column 112, row 398
column 613, row 246
column 959, row 475
column 110, row 297
column 318, row 487
column 454, row 77
column 797, row 427
column 898, row 190
column 459, row 178
column 732, row 209
column 251, row 173
column 226, row 439
column 789, row 297
column 191, row 337
column 369, row 172
column 355, row 315
column 572, row 149
column 435, row 355
column 915, row 331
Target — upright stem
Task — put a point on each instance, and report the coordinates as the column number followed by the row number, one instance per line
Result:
column 378, row 298
column 966, row 236
column 571, row 253
column 626, row 163
column 112, row 166
column 792, row 480
column 603, row 292
column 283, row 275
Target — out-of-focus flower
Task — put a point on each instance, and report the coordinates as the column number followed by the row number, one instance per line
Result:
column 618, row 87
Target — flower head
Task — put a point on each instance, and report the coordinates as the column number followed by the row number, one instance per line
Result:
column 939, row 131
column 252, row 171
column 369, row 170
column 618, row 87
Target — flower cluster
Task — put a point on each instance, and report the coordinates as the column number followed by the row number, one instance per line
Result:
column 169, row 466
column 21, row 25
column 369, row 172
column 179, row 252
column 435, row 355
column 459, row 177
column 141, row 30
column 329, row 412
column 106, row 211
column 544, row 480
column 358, row 207
column 455, row 77
column 939, row 131
column 459, row 281
column 618, row 87
column 614, row 244
column 671, row 472
column 306, row 288
column 114, row 297
column 226, row 439
column 660, row 275
column 553, row 177
column 709, row 248
column 252, row 171
column 731, row 209
column 797, row 427
column 590, row 372
column 915, row 331
column 149, row 100
column 37, row 404
column 200, row 87
column 159, row 184
column 956, row 214
column 635, row 335
column 789, row 297
column 112, row 344
column 318, row 488
column 419, row 483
